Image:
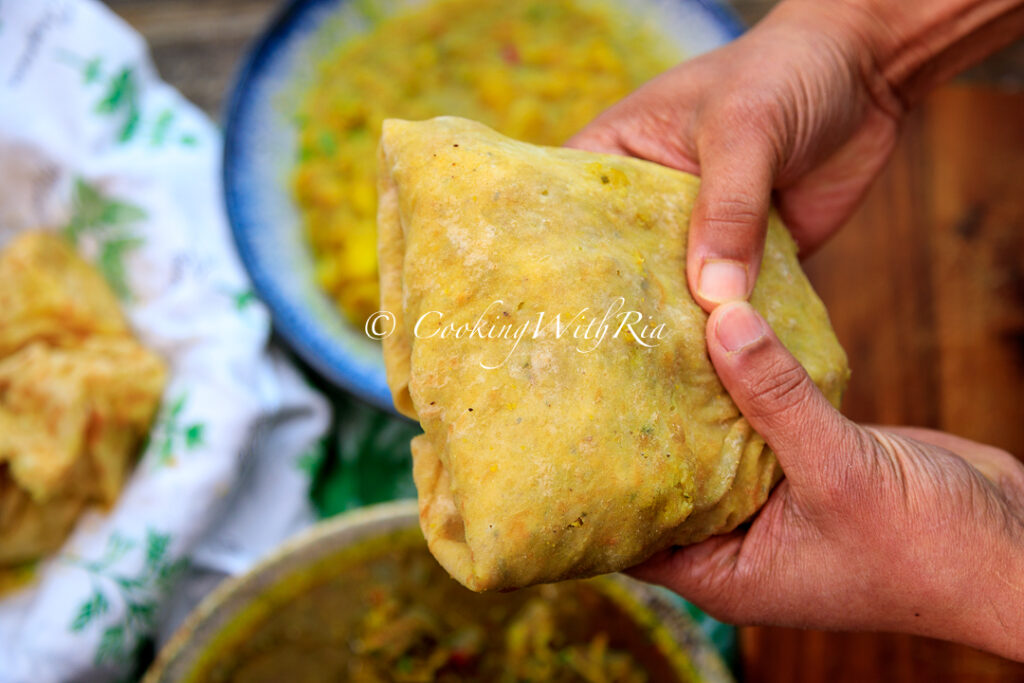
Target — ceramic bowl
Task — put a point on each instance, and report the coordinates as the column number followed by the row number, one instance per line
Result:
column 348, row 533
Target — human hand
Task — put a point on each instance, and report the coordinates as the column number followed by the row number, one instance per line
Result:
column 795, row 104
column 882, row 529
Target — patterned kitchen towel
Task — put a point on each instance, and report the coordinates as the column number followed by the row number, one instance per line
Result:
column 95, row 146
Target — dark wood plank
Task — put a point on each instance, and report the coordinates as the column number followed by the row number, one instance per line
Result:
column 978, row 272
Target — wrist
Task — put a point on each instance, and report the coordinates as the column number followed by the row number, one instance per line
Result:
column 991, row 596
column 908, row 48
column 926, row 43
column 1001, row 626
column 852, row 30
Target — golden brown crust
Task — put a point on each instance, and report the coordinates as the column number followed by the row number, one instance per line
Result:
column 77, row 394
column 555, row 457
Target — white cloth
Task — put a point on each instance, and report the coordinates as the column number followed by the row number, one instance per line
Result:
column 91, row 138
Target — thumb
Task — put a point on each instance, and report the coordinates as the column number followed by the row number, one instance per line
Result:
column 730, row 216
column 811, row 439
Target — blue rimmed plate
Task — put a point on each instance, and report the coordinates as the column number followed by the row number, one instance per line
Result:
column 260, row 149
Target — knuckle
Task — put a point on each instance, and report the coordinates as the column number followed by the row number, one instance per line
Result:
column 740, row 108
column 780, row 389
column 732, row 214
column 1010, row 469
column 750, row 117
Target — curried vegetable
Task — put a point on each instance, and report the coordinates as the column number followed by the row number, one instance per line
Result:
column 393, row 614
column 535, row 71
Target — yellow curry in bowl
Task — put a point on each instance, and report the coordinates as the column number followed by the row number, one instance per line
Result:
column 535, row 70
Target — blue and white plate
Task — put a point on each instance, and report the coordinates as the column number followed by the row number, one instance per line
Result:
column 259, row 151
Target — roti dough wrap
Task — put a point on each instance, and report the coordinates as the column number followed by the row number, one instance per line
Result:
column 550, row 453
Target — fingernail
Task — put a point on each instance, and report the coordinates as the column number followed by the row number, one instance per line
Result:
column 739, row 326
column 723, row 280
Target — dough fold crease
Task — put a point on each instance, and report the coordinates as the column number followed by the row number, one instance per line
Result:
column 547, row 343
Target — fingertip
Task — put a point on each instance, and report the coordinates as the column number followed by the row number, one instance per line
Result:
column 722, row 280
column 590, row 140
column 668, row 568
column 653, row 567
column 714, row 280
column 697, row 572
column 729, row 222
column 735, row 326
column 775, row 394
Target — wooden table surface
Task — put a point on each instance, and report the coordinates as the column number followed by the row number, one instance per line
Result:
column 925, row 287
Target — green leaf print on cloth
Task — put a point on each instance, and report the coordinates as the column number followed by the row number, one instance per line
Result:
column 109, row 223
column 171, row 436
column 120, row 98
column 93, row 607
column 136, row 594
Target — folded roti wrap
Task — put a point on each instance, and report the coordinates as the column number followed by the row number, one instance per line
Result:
column 546, row 341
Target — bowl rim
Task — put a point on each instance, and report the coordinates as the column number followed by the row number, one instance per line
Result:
column 311, row 345
column 231, row 597
column 314, row 346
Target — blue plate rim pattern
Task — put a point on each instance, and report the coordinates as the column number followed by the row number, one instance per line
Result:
column 312, row 346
